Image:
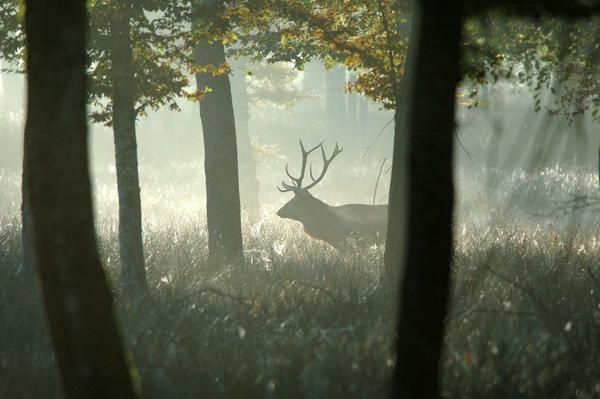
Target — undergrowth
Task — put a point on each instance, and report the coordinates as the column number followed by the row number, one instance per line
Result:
column 301, row 320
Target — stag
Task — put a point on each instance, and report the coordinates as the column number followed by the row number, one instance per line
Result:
column 336, row 225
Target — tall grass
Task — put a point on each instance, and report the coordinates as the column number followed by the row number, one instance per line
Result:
column 301, row 320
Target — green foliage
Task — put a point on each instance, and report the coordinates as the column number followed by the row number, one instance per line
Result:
column 556, row 58
column 369, row 39
column 273, row 84
column 158, row 81
column 12, row 34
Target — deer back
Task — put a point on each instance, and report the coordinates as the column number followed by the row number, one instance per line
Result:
column 368, row 222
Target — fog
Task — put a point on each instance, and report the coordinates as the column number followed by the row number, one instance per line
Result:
column 502, row 147
column 302, row 318
column 170, row 144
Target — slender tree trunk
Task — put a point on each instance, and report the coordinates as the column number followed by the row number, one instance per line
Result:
column 220, row 159
column 78, row 303
column 335, row 103
column 598, row 166
column 133, row 273
column 249, row 185
column 2, row 87
column 314, row 75
column 363, row 120
column 580, row 142
column 353, row 121
column 424, row 294
column 497, row 132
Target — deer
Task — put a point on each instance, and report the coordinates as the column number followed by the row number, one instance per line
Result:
column 339, row 226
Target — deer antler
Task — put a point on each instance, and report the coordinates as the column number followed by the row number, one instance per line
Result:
column 326, row 162
column 297, row 181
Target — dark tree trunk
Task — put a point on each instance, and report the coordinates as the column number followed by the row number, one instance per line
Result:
column 77, row 299
column 249, row 184
column 220, row 159
column 133, row 273
column 424, row 292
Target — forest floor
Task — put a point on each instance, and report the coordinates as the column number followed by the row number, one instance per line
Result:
column 302, row 320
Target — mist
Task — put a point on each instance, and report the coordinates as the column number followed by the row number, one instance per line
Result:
column 422, row 223
column 171, row 149
column 497, row 150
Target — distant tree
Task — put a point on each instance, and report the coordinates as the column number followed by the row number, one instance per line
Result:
column 249, row 184
column 220, row 146
column 133, row 273
column 335, row 82
column 368, row 38
column 76, row 295
column 2, row 86
column 12, row 38
column 556, row 60
column 134, row 77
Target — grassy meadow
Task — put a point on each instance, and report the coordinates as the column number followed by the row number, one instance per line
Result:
column 302, row 320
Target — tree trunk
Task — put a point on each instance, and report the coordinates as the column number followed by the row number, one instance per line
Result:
column 598, row 166
column 353, row 121
column 363, row 121
column 335, row 103
column 220, row 159
column 133, row 273
column 424, row 294
column 249, row 184
column 2, row 88
column 77, row 299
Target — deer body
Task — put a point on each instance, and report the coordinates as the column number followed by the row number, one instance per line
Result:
column 336, row 225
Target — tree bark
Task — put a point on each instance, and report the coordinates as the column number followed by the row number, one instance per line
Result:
column 133, row 273
column 220, row 159
column 77, row 300
column 424, row 294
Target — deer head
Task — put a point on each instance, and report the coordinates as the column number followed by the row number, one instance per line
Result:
column 304, row 206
